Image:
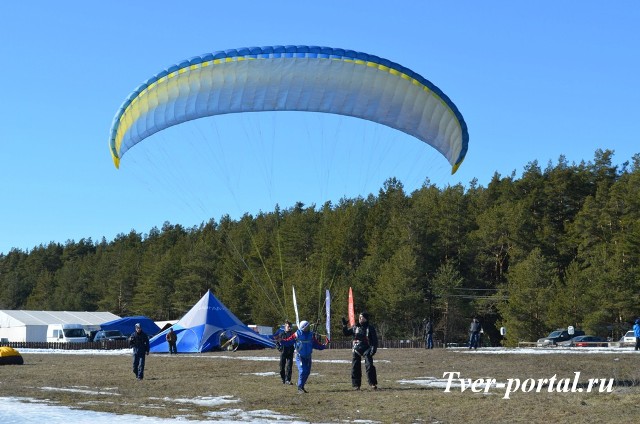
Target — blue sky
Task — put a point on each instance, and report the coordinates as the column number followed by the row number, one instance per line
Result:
column 533, row 80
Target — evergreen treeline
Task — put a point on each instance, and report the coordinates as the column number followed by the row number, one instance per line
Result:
column 557, row 247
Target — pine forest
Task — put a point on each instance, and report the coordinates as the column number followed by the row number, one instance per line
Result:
column 557, row 246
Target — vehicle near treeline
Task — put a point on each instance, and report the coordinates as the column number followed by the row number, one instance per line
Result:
column 557, row 336
column 585, row 341
column 629, row 339
column 106, row 335
column 66, row 333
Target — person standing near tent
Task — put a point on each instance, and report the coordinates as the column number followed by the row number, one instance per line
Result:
column 139, row 341
column 286, row 354
column 304, row 341
column 172, row 339
column 365, row 345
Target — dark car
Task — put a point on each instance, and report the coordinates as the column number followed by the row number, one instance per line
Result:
column 558, row 336
column 585, row 341
column 106, row 335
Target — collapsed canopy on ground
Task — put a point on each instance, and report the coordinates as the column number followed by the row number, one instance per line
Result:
column 10, row 356
column 292, row 78
column 127, row 325
column 202, row 327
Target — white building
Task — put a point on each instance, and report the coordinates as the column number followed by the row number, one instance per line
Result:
column 31, row 326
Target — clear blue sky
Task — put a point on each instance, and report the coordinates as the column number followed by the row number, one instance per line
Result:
column 533, row 80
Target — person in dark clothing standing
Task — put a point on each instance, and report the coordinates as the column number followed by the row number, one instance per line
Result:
column 428, row 334
column 139, row 341
column 286, row 354
column 172, row 340
column 365, row 345
column 304, row 341
column 474, row 333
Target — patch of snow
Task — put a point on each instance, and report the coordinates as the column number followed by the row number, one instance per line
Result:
column 205, row 400
column 78, row 390
column 26, row 411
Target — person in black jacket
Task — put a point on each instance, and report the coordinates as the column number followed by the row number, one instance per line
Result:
column 365, row 345
column 139, row 341
column 286, row 354
column 474, row 333
column 428, row 334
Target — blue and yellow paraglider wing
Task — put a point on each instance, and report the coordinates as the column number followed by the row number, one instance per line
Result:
column 292, row 78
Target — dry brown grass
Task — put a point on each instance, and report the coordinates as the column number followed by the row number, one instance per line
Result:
column 106, row 383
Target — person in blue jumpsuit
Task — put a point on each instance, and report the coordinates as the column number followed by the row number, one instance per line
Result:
column 304, row 341
column 139, row 341
column 636, row 331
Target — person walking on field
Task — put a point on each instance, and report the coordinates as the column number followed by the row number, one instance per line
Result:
column 286, row 354
column 428, row 334
column 304, row 342
column 139, row 341
column 365, row 345
column 172, row 340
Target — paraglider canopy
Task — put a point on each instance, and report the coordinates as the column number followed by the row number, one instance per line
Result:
column 292, row 78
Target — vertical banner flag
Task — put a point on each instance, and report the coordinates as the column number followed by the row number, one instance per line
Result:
column 295, row 306
column 328, row 303
column 352, row 314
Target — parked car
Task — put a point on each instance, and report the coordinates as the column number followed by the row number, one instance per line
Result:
column 66, row 333
column 629, row 339
column 585, row 341
column 558, row 336
column 92, row 334
column 106, row 335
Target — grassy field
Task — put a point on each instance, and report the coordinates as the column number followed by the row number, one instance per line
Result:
column 106, row 383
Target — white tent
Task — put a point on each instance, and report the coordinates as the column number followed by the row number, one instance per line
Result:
column 31, row 326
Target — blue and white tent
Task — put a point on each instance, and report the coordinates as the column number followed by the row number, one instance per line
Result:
column 200, row 329
column 127, row 325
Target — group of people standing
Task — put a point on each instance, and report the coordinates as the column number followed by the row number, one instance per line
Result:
column 302, row 342
column 475, row 329
column 299, row 345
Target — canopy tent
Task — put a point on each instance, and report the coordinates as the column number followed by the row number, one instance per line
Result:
column 127, row 325
column 200, row 329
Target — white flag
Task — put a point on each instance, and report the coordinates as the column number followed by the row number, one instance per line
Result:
column 295, row 306
column 328, row 302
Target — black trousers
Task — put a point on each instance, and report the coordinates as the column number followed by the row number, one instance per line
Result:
column 356, row 370
column 286, row 362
